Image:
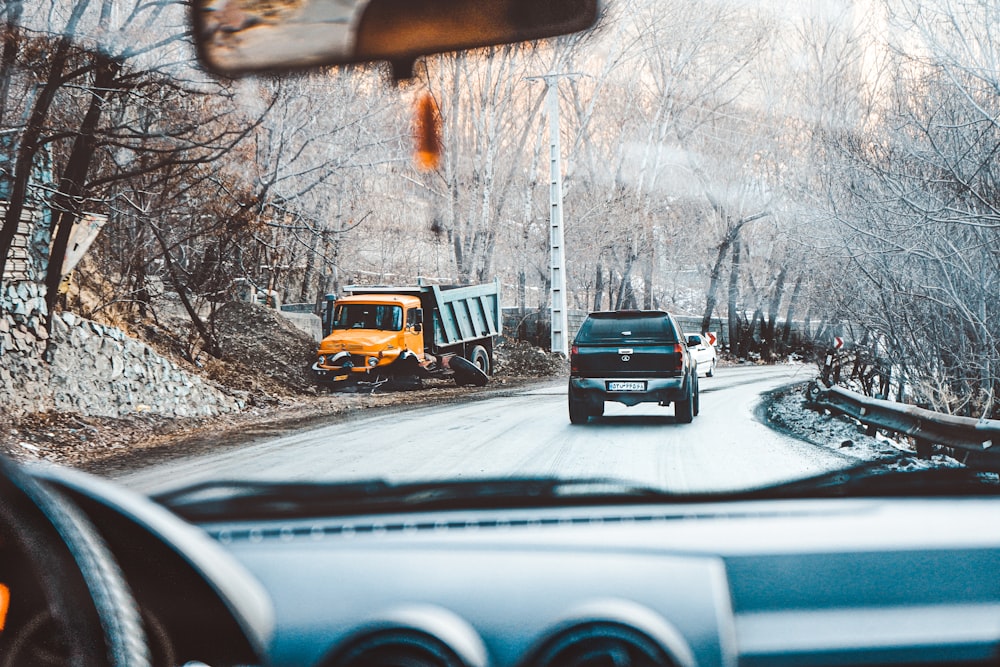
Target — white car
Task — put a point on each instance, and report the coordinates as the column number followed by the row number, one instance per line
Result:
column 703, row 352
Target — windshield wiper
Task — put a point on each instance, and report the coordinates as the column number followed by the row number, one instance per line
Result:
column 243, row 500
column 240, row 500
column 892, row 477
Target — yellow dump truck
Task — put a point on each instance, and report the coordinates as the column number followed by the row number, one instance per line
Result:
column 378, row 334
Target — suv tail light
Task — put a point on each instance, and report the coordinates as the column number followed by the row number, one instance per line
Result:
column 682, row 360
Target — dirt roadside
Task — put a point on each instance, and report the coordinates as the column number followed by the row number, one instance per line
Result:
column 106, row 445
column 270, row 371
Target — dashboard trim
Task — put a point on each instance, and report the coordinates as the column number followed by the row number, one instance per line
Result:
column 969, row 632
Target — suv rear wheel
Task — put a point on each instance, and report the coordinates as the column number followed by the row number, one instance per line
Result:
column 577, row 409
column 686, row 409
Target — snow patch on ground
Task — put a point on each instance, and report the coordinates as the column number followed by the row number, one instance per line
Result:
column 785, row 410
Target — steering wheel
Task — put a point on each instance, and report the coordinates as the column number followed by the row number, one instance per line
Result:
column 86, row 595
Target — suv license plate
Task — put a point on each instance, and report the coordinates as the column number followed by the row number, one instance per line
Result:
column 626, row 386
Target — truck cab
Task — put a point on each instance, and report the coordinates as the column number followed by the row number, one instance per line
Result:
column 371, row 332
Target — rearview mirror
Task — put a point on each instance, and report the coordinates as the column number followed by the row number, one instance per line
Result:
column 237, row 37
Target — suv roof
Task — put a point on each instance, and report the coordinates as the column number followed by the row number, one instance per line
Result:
column 620, row 314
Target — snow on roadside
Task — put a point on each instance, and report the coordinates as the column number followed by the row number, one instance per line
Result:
column 785, row 410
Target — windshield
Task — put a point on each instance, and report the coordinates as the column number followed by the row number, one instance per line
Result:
column 638, row 328
column 368, row 316
column 809, row 188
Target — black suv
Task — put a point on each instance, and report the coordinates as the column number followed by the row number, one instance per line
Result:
column 632, row 357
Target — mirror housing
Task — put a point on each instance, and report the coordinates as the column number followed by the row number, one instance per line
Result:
column 236, row 37
column 417, row 316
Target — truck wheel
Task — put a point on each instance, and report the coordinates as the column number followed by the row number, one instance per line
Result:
column 481, row 358
column 466, row 372
column 577, row 409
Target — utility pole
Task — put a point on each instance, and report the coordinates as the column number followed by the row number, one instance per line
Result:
column 557, row 264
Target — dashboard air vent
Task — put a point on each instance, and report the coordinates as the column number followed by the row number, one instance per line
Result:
column 600, row 645
column 396, row 648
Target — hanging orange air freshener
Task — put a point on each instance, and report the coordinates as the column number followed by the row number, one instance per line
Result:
column 427, row 133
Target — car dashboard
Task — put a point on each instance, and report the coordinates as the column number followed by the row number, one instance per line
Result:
column 847, row 581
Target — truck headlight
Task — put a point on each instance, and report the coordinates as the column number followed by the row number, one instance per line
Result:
column 372, row 361
column 322, row 360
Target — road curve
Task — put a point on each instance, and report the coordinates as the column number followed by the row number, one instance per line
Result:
column 529, row 434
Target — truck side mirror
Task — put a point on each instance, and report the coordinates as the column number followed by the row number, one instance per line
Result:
column 415, row 320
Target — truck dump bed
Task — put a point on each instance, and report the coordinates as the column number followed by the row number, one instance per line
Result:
column 456, row 314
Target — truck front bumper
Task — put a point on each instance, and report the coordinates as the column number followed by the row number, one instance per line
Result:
column 330, row 375
column 406, row 364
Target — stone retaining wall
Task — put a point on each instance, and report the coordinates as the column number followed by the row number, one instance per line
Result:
column 89, row 368
column 24, row 379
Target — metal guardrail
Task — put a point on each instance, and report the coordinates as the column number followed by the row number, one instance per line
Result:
column 980, row 437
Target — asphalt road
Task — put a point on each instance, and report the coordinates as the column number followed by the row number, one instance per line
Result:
column 529, row 434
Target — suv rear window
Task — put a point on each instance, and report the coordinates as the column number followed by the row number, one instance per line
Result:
column 614, row 328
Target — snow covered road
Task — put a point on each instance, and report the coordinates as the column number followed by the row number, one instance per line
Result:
column 529, row 434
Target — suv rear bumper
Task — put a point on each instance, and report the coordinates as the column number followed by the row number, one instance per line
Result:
column 658, row 390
